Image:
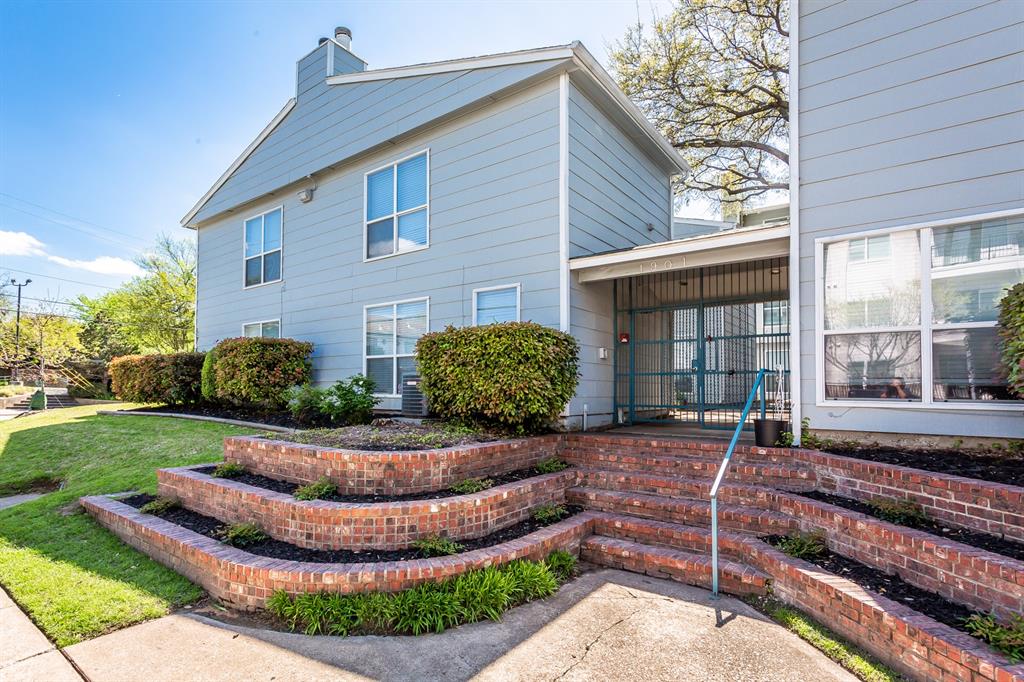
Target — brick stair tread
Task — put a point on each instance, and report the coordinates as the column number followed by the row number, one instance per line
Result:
column 694, row 466
column 676, row 562
column 687, row 485
column 765, row 521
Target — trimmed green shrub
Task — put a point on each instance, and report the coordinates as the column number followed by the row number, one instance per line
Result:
column 171, row 378
column 159, row 506
column 515, row 376
column 228, row 470
column 208, row 379
column 241, row 534
column 435, row 545
column 320, row 490
column 1011, row 329
column 38, row 400
column 349, row 401
column 430, row 607
column 258, row 371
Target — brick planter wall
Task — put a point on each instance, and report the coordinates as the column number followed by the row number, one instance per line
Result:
column 390, row 473
column 322, row 524
column 246, row 580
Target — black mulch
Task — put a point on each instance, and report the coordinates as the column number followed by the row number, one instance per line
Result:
column 998, row 468
column 270, row 418
column 990, row 543
column 276, row 549
column 279, row 486
column 891, row 586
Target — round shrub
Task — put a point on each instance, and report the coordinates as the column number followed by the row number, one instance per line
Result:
column 259, row 371
column 514, row 376
column 1011, row 329
column 172, row 378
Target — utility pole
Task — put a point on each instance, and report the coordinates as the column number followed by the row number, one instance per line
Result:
column 17, row 325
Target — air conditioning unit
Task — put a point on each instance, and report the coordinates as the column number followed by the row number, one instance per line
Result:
column 414, row 403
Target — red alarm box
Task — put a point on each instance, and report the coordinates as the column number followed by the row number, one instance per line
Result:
column 624, row 337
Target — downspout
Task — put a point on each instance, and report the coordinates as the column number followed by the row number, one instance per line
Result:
column 794, row 220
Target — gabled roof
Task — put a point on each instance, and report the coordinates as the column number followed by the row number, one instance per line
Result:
column 573, row 57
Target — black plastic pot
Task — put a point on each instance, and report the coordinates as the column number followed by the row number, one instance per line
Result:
column 767, row 432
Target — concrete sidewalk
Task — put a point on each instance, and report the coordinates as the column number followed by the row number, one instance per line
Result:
column 606, row 625
column 25, row 653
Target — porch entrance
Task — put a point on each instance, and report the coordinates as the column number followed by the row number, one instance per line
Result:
column 690, row 342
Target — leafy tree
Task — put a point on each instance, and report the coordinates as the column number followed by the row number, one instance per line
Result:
column 714, row 77
column 153, row 313
column 48, row 339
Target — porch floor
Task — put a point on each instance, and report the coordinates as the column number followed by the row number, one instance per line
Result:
column 681, row 430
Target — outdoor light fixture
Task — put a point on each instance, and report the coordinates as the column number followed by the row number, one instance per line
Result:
column 305, row 196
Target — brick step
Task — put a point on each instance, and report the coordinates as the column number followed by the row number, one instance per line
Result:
column 587, row 443
column 684, row 511
column 672, row 535
column 670, row 485
column 324, row 524
column 789, row 476
column 665, row 562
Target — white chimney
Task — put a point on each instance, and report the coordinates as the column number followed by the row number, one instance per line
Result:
column 344, row 37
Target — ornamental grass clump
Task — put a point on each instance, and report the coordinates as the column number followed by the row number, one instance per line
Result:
column 321, row 490
column 514, row 377
column 431, row 607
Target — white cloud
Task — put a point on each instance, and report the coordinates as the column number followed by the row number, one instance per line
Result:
column 104, row 265
column 24, row 244
column 19, row 244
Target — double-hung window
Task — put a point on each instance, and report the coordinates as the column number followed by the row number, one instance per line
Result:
column 915, row 321
column 397, row 207
column 391, row 333
column 263, row 248
column 268, row 329
column 496, row 304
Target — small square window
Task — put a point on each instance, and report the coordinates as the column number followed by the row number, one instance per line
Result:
column 270, row 329
column 500, row 304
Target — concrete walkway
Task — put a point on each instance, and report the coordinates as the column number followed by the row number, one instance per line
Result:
column 25, row 653
column 607, row 625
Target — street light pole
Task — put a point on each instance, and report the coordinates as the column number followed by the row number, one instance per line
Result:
column 17, row 324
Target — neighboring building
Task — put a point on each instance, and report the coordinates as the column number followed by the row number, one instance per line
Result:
column 381, row 204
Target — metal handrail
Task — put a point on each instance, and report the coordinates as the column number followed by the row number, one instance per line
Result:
column 758, row 384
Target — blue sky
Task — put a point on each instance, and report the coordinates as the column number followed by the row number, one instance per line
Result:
column 116, row 117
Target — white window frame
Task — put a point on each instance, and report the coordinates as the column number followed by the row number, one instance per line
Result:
column 261, row 323
column 394, row 339
column 519, row 298
column 925, row 327
column 262, row 253
column 395, row 214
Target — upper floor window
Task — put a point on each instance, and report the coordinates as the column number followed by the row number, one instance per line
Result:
column 397, row 207
column 496, row 304
column 391, row 331
column 263, row 248
column 269, row 329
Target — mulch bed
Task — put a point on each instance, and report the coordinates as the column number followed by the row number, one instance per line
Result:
column 270, row 418
column 998, row 468
column 276, row 549
column 391, row 435
column 990, row 543
column 287, row 487
column 891, row 586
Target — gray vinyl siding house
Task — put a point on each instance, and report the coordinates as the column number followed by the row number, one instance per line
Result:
column 530, row 160
column 911, row 115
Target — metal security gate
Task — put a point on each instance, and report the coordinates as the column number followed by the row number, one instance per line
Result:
column 691, row 355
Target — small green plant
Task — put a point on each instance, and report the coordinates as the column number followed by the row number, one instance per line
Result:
column 228, row 470
column 901, row 512
column 549, row 513
column 472, row 485
column 159, row 506
column 562, row 564
column 435, row 545
column 1007, row 639
column 809, row 440
column 552, row 465
column 349, row 401
column 426, row 609
column 320, row 490
column 805, row 546
column 241, row 534
column 785, row 440
column 531, row 580
column 958, row 443
column 486, row 593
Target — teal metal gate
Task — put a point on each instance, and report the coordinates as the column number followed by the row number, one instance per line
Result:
column 691, row 355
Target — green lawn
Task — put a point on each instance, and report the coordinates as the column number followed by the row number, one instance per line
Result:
column 74, row 578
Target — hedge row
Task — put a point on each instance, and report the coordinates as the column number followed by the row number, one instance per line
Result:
column 1011, row 329
column 172, row 378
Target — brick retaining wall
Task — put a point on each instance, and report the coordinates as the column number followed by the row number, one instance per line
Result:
column 322, row 524
column 362, row 472
column 246, row 580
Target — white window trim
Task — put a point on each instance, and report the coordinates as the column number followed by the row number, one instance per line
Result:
column 395, row 215
column 925, row 327
column 394, row 333
column 281, row 249
column 261, row 323
column 519, row 298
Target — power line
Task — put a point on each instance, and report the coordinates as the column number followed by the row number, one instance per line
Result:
column 108, row 323
column 68, row 216
column 91, row 233
column 62, row 279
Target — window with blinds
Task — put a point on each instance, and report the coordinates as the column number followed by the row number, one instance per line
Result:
column 397, row 207
column 496, row 304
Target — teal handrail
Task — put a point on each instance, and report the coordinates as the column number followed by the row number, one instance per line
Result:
column 758, row 384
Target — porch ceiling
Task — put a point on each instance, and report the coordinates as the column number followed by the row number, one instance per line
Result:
column 743, row 244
